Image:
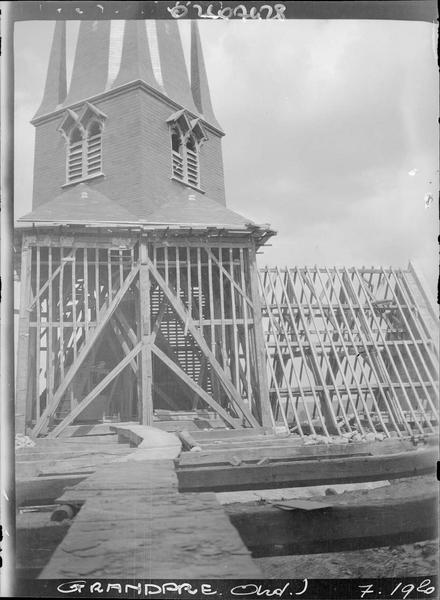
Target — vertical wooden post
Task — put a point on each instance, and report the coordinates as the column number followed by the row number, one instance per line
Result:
column 38, row 337
column 22, row 412
column 260, row 354
column 49, row 310
column 146, row 372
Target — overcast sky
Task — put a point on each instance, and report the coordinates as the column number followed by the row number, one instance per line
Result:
column 324, row 121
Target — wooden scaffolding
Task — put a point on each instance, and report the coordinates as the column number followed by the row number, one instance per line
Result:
column 119, row 327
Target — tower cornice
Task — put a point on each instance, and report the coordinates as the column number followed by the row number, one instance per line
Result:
column 113, row 92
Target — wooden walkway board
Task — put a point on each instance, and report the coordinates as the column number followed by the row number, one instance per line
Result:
column 135, row 524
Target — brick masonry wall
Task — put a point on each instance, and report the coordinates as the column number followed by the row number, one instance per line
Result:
column 136, row 156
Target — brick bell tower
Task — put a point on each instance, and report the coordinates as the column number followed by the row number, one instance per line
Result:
column 139, row 287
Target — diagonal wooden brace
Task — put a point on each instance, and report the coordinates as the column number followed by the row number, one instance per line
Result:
column 102, row 322
column 185, row 317
column 95, row 392
column 194, row 386
column 50, row 280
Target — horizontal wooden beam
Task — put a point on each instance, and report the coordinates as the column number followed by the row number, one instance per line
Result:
column 285, row 449
column 400, row 513
column 300, row 473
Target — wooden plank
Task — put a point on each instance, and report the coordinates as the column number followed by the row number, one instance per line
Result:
column 95, row 392
column 348, row 329
column 109, row 275
column 211, row 304
column 146, row 371
column 86, row 290
column 284, row 281
column 400, row 513
column 38, row 340
column 222, row 308
column 193, row 385
column 228, row 275
column 178, row 271
column 74, row 315
column 228, row 434
column 285, row 448
column 23, row 417
column 182, row 313
column 395, row 409
column 61, row 315
column 235, row 354
column 260, row 354
column 299, row 473
column 246, row 344
column 423, row 357
column 200, row 287
column 105, row 317
column 334, row 360
column 324, row 406
column 330, row 377
column 377, row 367
column 50, row 279
column 364, row 342
column 281, row 361
column 111, row 520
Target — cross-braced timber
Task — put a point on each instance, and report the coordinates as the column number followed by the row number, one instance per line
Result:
column 177, row 316
column 122, row 327
column 350, row 352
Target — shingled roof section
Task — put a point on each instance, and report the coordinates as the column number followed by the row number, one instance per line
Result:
column 198, row 211
column 82, row 204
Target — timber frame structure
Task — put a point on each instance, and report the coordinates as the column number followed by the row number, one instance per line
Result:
column 351, row 351
column 138, row 322
column 120, row 325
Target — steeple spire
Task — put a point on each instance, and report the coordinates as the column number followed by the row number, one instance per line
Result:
column 135, row 59
column 90, row 68
column 56, row 88
column 199, row 79
column 172, row 64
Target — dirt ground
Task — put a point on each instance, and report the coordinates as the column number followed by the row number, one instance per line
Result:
column 409, row 560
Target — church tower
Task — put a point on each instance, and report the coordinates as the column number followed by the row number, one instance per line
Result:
column 139, row 292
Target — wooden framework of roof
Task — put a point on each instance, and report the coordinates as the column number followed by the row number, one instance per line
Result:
column 351, row 352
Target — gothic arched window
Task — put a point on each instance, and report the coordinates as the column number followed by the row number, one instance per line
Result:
column 83, row 135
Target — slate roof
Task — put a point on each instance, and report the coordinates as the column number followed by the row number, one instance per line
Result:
column 83, row 205
column 79, row 204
